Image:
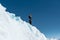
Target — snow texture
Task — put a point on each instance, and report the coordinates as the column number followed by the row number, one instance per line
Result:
column 14, row 28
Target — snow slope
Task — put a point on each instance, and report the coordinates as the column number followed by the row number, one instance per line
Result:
column 14, row 28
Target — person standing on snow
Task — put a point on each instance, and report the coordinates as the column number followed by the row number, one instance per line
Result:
column 30, row 19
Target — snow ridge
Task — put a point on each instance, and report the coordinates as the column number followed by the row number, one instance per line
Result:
column 14, row 28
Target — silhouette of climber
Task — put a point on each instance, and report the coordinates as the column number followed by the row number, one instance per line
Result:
column 30, row 19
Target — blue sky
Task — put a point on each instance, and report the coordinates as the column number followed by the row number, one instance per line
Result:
column 45, row 13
